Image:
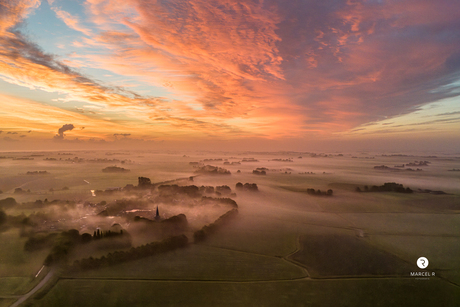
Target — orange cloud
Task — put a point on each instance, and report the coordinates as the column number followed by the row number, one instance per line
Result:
column 249, row 68
column 72, row 22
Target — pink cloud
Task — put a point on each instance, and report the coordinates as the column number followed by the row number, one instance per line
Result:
column 272, row 68
column 71, row 21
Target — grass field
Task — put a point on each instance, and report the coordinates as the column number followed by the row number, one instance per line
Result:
column 201, row 262
column 259, row 258
column 352, row 292
column 15, row 262
column 347, row 255
column 6, row 302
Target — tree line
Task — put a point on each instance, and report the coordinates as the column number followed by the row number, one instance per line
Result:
column 203, row 233
column 134, row 253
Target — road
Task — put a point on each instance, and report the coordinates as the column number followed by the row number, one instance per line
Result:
column 35, row 289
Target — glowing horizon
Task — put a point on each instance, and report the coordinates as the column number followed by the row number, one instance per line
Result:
column 235, row 72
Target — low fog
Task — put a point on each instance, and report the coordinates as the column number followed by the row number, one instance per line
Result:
column 69, row 211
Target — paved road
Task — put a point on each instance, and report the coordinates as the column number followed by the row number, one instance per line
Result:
column 35, row 289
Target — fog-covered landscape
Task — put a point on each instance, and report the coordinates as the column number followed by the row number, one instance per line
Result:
column 177, row 225
column 229, row 153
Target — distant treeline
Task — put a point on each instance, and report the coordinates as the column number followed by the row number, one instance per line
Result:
column 260, row 171
column 223, row 201
column 319, row 192
column 62, row 243
column 134, row 253
column 169, row 192
column 99, row 234
column 203, row 233
column 115, row 169
column 386, row 187
column 212, row 170
column 190, row 190
column 247, row 187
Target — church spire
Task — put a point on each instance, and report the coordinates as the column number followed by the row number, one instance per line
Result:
column 157, row 216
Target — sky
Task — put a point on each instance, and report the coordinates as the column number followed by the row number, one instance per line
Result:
column 232, row 75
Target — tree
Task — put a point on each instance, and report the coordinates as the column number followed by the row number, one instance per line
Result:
column 329, row 192
column 86, row 237
column 2, row 217
column 7, row 202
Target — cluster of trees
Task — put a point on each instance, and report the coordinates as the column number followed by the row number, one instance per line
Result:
column 232, row 163
column 144, row 182
column 247, row 187
column 319, row 192
column 134, row 253
column 115, row 169
column 3, row 217
column 219, row 190
column 99, row 234
column 213, row 170
column 21, row 191
column 39, row 241
column 203, row 233
column 249, row 160
column 223, row 189
column 223, row 201
column 179, row 220
column 259, row 172
column 386, row 187
column 418, row 163
column 190, row 190
column 8, row 202
column 62, row 245
column 207, row 189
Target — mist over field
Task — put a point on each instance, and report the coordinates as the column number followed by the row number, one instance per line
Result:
column 229, row 153
column 302, row 218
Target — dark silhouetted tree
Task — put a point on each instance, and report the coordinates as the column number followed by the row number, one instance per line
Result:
column 2, row 217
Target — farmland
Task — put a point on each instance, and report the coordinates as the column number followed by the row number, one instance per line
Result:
column 284, row 248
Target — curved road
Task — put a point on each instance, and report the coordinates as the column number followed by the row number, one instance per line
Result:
column 35, row 289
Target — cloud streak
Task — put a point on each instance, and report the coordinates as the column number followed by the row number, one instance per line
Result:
column 71, row 21
column 24, row 63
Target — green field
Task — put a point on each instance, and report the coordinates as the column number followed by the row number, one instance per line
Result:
column 346, row 255
column 353, row 292
column 285, row 247
column 201, row 262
